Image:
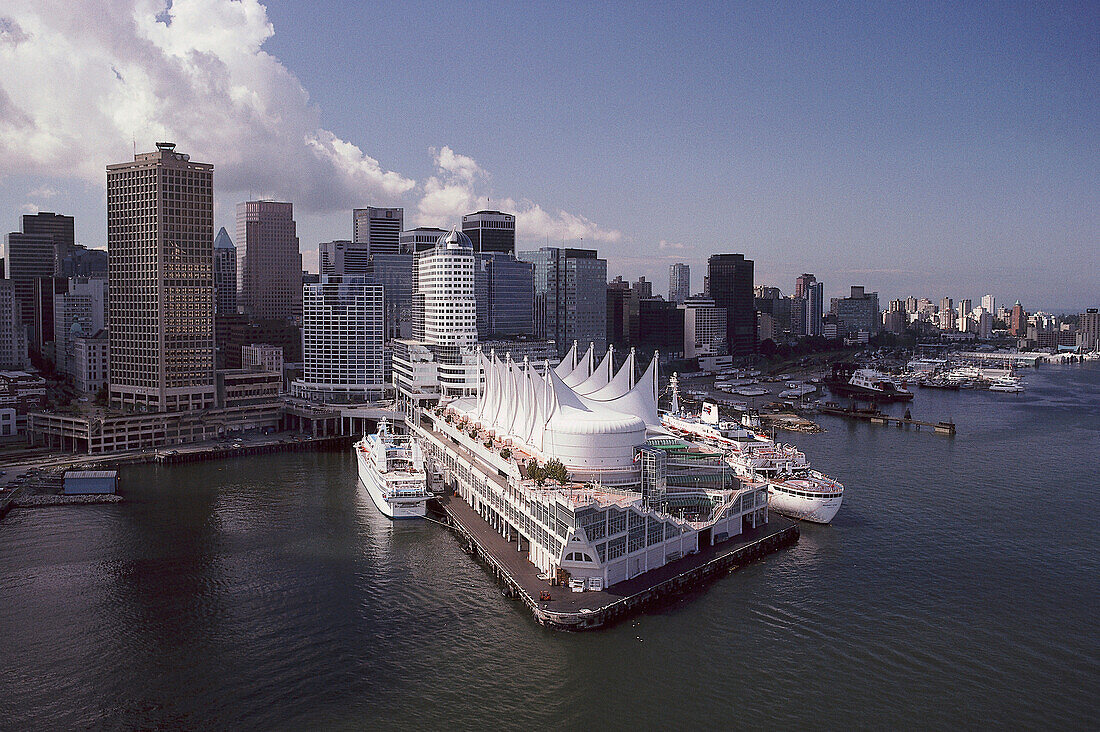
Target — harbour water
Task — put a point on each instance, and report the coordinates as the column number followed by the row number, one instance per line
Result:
column 959, row 585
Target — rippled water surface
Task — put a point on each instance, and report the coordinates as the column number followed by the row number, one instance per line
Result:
column 959, row 585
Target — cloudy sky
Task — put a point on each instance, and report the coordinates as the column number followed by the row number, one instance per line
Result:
column 924, row 150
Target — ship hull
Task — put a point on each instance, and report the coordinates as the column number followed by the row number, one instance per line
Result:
column 845, row 389
column 815, row 510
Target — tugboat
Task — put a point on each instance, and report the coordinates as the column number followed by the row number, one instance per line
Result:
column 848, row 379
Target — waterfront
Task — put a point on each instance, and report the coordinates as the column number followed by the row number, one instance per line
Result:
column 957, row 586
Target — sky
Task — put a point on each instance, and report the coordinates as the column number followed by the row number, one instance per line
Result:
column 920, row 148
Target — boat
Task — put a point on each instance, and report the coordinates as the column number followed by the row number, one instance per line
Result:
column 1006, row 384
column 807, row 495
column 391, row 470
column 849, row 380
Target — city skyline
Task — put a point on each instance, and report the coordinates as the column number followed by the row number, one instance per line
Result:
column 935, row 173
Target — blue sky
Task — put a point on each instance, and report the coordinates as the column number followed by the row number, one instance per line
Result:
column 924, row 149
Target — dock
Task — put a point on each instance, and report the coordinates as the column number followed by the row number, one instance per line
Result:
column 874, row 416
column 568, row 610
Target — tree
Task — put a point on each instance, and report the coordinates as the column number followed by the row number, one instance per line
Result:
column 768, row 349
column 556, row 471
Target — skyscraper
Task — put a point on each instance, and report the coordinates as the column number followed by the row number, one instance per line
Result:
column 1018, row 321
column 26, row 258
column 505, row 291
column 58, row 226
column 491, row 231
column 379, row 228
column 225, row 274
column 160, row 225
column 342, row 341
column 342, row 258
column 990, row 304
column 420, row 239
column 570, row 297
column 704, row 328
column 859, row 312
column 808, row 288
column 731, row 287
column 679, row 282
column 642, row 288
column 269, row 263
column 13, row 333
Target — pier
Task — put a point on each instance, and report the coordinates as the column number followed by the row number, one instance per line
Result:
column 568, row 610
column 875, row 416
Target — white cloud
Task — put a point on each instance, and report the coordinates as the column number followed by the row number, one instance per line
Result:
column 44, row 192
column 201, row 79
column 670, row 245
column 29, row 208
column 457, row 189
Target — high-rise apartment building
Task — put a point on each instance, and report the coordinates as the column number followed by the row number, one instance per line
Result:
column 379, row 228
column 342, row 341
column 1018, row 321
column 731, row 288
column 965, row 308
column 679, row 282
column 420, row 239
column 1088, row 330
column 491, row 231
column 225, row 274
column 809, row 289
column 269, row 263
column 160, row 225
column 570, row 297
column 642, row 288
column 990, row 304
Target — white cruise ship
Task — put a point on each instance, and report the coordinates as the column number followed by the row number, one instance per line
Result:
column 391, row 469
column 807, row 495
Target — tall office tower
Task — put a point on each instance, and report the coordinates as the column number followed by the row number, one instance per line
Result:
column 731, row 288
column 420, row 239
column 642, row 288
column 13, row 333
column 444, row 319
column 704, row 328
column 46, row 290
column 802, row 284
column 505, row 291
column 990, row 304
column 491, row 231
column 570, row 297
column 622, row 313
column 225, row 274
column 395, row 273
column 58, row 226
column 342, row 258
column 26, row 258
column 679, row 282
column 160, row 222
column 269, row 263
column 858, row 312
column 342, row 341
column 815, row 308
column 379, row 228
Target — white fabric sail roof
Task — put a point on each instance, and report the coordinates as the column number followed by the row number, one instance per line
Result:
column 568, row 362
column 551, row 418
column 583, row 370
column 600, row 376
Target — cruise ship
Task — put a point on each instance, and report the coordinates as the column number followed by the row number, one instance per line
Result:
column 793, row 488
column 391, row 469
column 848, row 380
column 805, row 494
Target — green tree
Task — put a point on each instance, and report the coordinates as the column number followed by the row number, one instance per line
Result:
column 556, row 471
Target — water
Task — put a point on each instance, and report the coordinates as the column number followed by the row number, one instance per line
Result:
column 958, row 586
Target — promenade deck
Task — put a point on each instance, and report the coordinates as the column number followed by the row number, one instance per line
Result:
column 584, row 610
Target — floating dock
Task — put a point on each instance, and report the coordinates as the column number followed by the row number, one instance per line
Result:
column 568, row 610
column 874, row 416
